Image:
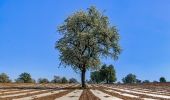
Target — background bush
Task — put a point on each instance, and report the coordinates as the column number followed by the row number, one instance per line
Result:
column 4, row 78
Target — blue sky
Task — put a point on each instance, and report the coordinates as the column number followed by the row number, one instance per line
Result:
column 28, row 34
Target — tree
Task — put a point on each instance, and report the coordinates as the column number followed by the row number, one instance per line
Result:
column 43, row 80
column 24, row 78
column 95, row 77
column 111, row 76
column 146, row 81
column 162, row 80
column 89, row 81
column 86, row 36
column 64, row 80
column 119, row 83
column 155, row 81
column 4, row 78
column 103, row 73
column 33, row 81
column 56, row 79
column 138, row 81
column 130, row 78
column 108, row 74
column 73, row 80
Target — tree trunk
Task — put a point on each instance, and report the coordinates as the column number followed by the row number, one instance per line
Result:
column 107, row 81
column 83, row 72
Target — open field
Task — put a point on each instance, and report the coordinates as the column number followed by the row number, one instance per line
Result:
column 156, row 91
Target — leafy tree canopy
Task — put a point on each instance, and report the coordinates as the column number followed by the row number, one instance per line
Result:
column 86, row 36
column 56, row 79
column 146, row 81
column 162, row 79
column 4, row 78
column 130, row 78
column 95, row 77
column 25, row 78
column 43, row 80
column 73, row 80
column 64, row 80
column 106, row 74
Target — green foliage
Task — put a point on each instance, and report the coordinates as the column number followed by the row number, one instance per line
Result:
column 24, row 78
column 43, row 80
column 33, row 81
column 56, row 79
column 138, row 81
column 95, row 77
column 130, row 78
column 4, row 78
column 64, row 80
column 106, row 74
column 103, row 73
column 155, row 81
column 146, row 81
column 119, row 83
column 86, row 36
column 162, row 79
column 73, row 80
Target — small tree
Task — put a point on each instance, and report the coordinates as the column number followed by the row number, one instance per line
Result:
column 56, row 79
column 119, row 83
column 87, row 36
column 130, row 78
column 155, row 81
column 4, row 78
column 43, row 80
column 138, row 81
column 111, row 76
column 95, row 77
column 33, row 81
column 103, row 73
column 108, row 74
column 146, row 81
column 162, row 80
column 24, row 78
column 73, row 80
column 64, row 80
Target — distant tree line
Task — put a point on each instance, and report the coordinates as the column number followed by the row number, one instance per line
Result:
column 107, row 74
column 26, row 78
column 132, row 79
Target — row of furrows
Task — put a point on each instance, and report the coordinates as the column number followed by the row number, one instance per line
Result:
column 73, row 92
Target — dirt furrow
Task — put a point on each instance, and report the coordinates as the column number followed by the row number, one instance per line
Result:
column 88, row 95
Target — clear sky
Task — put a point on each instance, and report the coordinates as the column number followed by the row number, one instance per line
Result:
column 28, row 34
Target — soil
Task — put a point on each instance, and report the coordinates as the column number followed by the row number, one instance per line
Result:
column 87, row 95
column 53, row 97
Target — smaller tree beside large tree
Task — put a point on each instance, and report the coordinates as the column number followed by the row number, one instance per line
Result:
column 95, row 77
column 106, row 74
